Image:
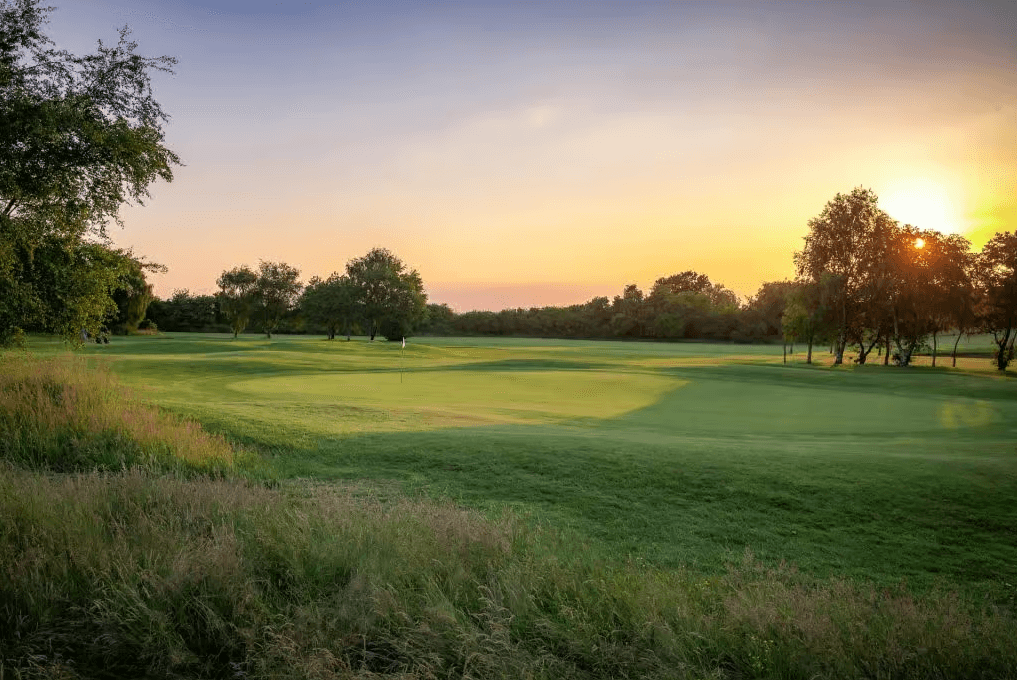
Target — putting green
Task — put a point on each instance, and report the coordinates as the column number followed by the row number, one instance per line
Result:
column 469, row 397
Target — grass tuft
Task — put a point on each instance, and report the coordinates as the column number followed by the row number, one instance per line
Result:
column 58, row 414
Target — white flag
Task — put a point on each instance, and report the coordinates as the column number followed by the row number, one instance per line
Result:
column 404, row 343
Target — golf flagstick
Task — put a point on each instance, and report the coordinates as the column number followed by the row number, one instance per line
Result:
column 401, row 359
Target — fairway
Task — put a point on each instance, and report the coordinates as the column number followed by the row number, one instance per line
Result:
column 683, row 455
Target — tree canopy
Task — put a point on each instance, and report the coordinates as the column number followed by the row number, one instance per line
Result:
column 391, row 297
column 997, row 279
column 238, row 293
column 333, row 303
column 276, row 292
column 79, row 137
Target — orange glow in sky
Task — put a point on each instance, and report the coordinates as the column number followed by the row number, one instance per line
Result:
column 923, row 203
column 527, row 154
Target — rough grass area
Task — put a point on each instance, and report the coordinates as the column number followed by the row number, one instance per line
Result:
column 129, row 575
column 58, row 414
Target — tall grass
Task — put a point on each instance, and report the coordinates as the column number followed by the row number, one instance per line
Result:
column 60, row 415
column 128, row 575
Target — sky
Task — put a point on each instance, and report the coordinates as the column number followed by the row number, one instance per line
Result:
column 538, row 152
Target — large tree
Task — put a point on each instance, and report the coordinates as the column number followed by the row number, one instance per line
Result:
column 79, row 137
column 930, row 274
column 997, row 281
column 276, row 292
column 849, row 240
column 389, row 293
column 332, row 303
column 238, row 294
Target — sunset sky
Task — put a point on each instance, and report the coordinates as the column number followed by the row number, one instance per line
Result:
column 537, row 152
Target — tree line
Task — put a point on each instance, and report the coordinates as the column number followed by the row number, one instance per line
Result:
column 82, row 135
column 863, row 281
column 377, row 293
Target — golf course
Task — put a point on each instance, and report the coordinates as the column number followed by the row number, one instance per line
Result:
column 683, row 455
column 203, row 506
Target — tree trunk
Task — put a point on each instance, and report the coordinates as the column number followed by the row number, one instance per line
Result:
column 808, row 357
column 838, row 357
column 1003, row 355
column 934, row 347
column 886, row 354
column 904, row 352
column 955, row 343
column 863, row 352
column 784, row 350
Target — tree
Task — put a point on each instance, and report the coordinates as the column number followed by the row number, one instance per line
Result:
column 807, row 312
column 185, row 312
column 238, row 292
column 962, row 307
column 133, row 294
column 276, row 292
column 65, row 287
column 79, row 137
column 997, row 282
column 388, row 293
column 629, row 313
column 769, row 303
column 930, row 274
column 849, row 240
column 332, row 303
column 694, row 282
column 438, row 319
column 407, row 307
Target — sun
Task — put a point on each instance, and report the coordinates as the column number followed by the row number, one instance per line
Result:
column 919, row 243
column 921, row 203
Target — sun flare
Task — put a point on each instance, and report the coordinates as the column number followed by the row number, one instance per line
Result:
column 919, row 243
column 922, row 203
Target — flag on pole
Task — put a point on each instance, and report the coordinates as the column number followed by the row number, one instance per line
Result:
column 404, row 343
